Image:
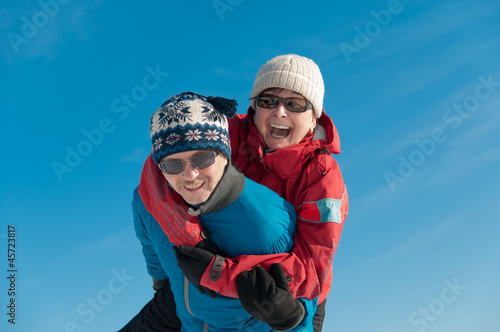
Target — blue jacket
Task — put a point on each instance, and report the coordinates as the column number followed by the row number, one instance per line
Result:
column 255, row 221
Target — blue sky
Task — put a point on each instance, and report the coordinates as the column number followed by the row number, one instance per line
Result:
column 412, row 86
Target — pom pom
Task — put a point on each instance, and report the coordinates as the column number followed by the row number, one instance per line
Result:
column 223, row 105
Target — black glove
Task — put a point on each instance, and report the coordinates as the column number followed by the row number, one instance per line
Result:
column 193, row 262
column 206, row 290
column 208, row 245
column 266, row 296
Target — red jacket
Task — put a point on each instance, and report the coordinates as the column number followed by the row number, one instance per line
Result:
column 306, row 175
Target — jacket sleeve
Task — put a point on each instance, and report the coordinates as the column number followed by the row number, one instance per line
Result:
column 320, row 216
column 159, row 314
column 310, row 307
column 141, row 215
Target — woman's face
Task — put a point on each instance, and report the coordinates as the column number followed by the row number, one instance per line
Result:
column 278, row 126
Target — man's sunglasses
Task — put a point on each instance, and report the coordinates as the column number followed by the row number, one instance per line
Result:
column 200, row 161
column 296, row 105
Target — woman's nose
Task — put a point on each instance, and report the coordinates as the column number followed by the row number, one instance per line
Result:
column 280, row 111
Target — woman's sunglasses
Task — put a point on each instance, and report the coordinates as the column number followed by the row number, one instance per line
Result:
column 200, row 161
column 296, row 105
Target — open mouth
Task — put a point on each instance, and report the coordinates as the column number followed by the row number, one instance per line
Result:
column 193, row 185
column 279, row 131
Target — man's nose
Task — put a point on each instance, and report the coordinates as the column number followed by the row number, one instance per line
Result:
column 190, row 173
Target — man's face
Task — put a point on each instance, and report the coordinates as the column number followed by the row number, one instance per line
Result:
column 195, row 185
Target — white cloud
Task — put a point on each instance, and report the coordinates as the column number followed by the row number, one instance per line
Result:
column 468, row 150
column 139, row 154
column 226, row 72
column 435, row 120
column 426, row 237
column 117, row 242
column 55, row 25
column 422, row 44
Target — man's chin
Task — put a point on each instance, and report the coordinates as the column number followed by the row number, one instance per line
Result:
column 194, row 199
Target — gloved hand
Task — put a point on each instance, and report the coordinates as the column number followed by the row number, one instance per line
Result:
column 210, row 246
column 266, row 296
column 206, row 290
column 194, row 261
column 158, row 284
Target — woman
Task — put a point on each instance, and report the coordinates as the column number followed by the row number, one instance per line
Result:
column 287, row 147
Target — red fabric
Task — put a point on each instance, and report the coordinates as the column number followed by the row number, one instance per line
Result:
column 301, row 173
column 167, row 207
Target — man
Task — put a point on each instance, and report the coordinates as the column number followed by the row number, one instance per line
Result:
column 189, row 133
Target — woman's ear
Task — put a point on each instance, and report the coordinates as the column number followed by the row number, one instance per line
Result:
column 314, row 122
column 313, row 125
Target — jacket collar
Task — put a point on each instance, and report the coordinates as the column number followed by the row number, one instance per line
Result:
column 226, row 192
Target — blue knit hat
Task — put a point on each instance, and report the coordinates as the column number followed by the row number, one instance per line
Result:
column 189, row 121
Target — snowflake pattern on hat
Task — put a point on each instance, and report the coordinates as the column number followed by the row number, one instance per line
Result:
column 157, row 144
column 212, row 135
column 224, row 139
column 193, row 135
column 211, row 115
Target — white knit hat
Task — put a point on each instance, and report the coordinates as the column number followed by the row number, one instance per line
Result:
column 292, row 72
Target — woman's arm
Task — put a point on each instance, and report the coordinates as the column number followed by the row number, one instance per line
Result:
column 321, row 216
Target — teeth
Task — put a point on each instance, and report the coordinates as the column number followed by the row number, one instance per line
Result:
column 279, row 126
column 193, row 185
column 279, row 131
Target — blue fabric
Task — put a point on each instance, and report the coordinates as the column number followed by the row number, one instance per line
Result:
column 307, row 323
column 264, row 223
column 329, row 209
column 258, row 222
